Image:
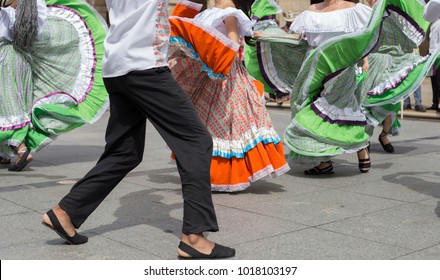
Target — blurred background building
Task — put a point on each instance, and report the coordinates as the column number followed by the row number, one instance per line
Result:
column 291, row 8
column 294, row 6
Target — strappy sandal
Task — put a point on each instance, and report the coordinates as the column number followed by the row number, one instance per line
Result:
column 320, row 171
column 364, row 163
column 218, row 252
column 58, row 228
column 387, row 147
column 24, row 160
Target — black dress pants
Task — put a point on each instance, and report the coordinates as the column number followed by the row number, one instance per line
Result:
column 151, row 94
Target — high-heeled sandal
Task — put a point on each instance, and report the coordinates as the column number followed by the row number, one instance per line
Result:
column 320, row 171
column 364, row 163
column 24, row 160
column 387, row 147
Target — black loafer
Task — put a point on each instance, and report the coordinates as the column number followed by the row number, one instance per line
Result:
column 218, row 252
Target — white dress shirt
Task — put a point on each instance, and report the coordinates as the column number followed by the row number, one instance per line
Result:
column 7, row 20
column 138, row 36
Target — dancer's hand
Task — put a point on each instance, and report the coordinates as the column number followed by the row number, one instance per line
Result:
column 258, row 35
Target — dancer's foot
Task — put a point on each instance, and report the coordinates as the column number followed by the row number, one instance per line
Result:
column 364, row 160
column 323, row 168
column 197, row 246
column 406, row 106
column 23, row 158
column 58, row 220
column 385, row 142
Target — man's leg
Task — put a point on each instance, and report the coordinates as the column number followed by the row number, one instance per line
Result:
column 171, row 112
column 435, row 82
column 125, row 139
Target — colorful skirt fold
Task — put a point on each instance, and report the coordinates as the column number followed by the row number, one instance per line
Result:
column 395, row 68
column 57, row 86
column 332, row 107
column 246, row 147
column 256, row 57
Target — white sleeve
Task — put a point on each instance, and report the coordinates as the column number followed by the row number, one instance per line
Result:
column 6, row 23
column 432, row 10
column 7, row 20
column 42, row 14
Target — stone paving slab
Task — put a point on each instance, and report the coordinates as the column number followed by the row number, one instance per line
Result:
column 412, row 226
column 313, row 243
column 390, row 213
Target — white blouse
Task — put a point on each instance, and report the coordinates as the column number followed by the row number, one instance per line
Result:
column 7, row 20
column 317, row 27
column 432, row 10
column 215, row 16
column 434, row 37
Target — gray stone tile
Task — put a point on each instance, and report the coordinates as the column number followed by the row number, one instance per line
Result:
column 390, row 190
column 135, row 208
column 44, row 196
column 316, row 244
column 159, row 239
column 23, row 228
column 237, row 226
column 413, row 226
column 266, row 190
column 8, row 208
column 431, row 253
column 98, row 248
column 321, row 207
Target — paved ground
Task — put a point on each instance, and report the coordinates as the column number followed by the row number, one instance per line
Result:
column 390, row 213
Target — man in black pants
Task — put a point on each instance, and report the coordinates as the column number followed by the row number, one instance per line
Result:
column 435, row 83
column 142, row 88
column 432, row 14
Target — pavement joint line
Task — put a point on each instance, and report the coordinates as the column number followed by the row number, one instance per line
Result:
column 367, row 239
column 375, row 196
column 416, row 251
column 54, row 183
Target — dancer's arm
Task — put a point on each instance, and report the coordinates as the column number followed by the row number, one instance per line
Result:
column 42, row 14
column 258, row 35
column 6, row 22
column 432, row 10
column 365, row 65
column 231, row 24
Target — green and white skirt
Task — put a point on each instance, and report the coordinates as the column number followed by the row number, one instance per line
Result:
column 332, row 107
column 57, row 86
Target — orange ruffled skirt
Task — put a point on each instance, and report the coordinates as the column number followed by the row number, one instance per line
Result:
column 229, row 102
